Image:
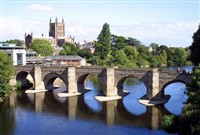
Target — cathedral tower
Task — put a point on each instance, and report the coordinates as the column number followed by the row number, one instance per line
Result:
column 56, row 29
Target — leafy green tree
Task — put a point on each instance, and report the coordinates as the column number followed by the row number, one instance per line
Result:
column 131, row 52
column 42, row 47
column 143, row 51
column 141, row 61
column 133, row 42
column 195, row 48
column 103, row 46
column 14, row 41
column 163, row 47
column 85, row 54
column 163, row 57
column 155, row 61
column 190, row 118
column 181, row 56
column 69, row 49
column 6, row 71
column 120, row 58
column 154, row 46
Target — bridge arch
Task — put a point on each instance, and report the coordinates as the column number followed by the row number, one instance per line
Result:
column 25, row 78
column 120, row 82
column 171, row 82
column 81, row 81
column 50, row 78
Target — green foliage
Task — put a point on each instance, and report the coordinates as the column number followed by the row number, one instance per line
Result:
column 18, row 85
column 103, row 42
column 154, row 46
column 6, row 71
column 169, row 123
column 114, row 50
column 14, row 41
column 120, row 58
column 131, row 52
column 195, row 48
column 85, row 54
column 42, row 47
column 190, row 118
column 69, row 49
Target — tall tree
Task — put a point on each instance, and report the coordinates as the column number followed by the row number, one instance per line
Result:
column 6, row 71
column 103, row 42
column 195, row 48
column 42, row 47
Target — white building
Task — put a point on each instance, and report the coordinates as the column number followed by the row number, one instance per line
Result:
column 16, row 53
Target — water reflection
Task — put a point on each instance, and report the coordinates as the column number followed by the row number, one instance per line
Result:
column 24, row 113
column 178, row 97
column 137, row 89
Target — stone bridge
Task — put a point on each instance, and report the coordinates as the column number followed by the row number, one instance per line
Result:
column 112, row 79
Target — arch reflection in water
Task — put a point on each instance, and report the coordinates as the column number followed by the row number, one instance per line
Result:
column 178, row 97
column 137, row 89
column 93, row 84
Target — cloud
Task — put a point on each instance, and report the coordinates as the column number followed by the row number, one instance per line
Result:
column 39, row 7
column 164, row 33
column 11, row 28
column 15, row 28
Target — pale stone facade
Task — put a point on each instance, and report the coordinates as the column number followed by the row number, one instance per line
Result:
column 56, row 35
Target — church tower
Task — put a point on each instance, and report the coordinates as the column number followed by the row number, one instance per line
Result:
column 56, row 29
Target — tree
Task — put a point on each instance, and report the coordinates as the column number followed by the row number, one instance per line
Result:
column 195, row 48
column 180, row 56
column 103, row 42
column 42, row 47
column 133, row 42
column 131, row 52
column 85, row 54
column 120, row 58
column 69, row 49
column 15, row 41
column 190, row 118
column 154, row 46
column 6, row 71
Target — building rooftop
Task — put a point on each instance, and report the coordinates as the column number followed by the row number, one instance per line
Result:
column 10, row 46
column 66, row 57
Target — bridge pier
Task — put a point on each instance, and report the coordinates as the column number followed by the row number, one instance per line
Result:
column 153, row 90
column 153, row 96
column 109, row 89
column 38, row 82
column 72, row 89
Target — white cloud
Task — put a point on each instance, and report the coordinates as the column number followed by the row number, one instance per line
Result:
column 164, row 33
column 11, row 28
column 39, row 7
column 15, row 28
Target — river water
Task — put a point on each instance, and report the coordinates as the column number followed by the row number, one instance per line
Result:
column 47, row 114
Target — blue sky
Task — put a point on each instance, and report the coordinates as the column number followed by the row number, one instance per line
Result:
column 170, row 22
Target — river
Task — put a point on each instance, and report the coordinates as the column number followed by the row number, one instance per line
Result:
column 47, row 114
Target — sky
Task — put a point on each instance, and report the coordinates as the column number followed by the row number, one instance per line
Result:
column 165, row 22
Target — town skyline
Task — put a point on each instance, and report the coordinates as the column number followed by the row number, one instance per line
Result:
column 170, row 23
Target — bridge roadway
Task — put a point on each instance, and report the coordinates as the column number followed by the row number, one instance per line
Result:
column 112, row 79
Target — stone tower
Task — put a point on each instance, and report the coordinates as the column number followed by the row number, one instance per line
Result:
column 56, row 29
